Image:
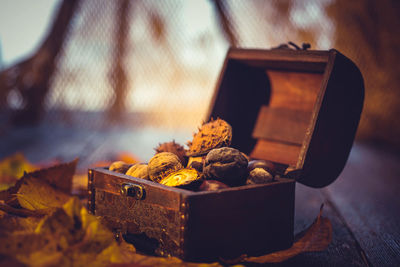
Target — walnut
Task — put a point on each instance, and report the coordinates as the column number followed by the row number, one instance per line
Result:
column 139, row 170
column 162, row 164
column 175, row 148
column 184, row 178
column 227, row 165
column 214, row 134
column 119, row 166
column 259, row 176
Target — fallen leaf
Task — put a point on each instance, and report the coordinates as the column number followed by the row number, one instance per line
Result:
column 7, row 209
column 69, row 236
column 10, row 223
column 315, row 238
column 37, row 194
column 12, row 168
column 58, row 177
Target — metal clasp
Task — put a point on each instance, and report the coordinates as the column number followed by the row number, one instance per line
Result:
column 133, row 190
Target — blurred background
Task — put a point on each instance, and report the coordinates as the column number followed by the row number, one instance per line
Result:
column 95, row 64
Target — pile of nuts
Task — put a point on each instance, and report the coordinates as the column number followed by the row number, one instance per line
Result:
column 209, row 163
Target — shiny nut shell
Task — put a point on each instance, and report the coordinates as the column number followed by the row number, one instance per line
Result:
column 139, row 170
column 264, row 164
column 184, row 178
column 162, row 164
column 119, row 166
column 259, row 176
column 227, row 165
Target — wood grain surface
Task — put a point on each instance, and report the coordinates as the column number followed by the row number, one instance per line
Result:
column 362, row 204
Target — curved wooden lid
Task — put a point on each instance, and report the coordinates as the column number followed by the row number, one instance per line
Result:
column 298, row 108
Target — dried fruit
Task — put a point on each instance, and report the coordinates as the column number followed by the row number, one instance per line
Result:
column 162, row 164
column 214, row 134
column 264, row 164
column 119, row 166
column 184, row 178
column 227, row 165
column 139, row 170
column 212, row 185
column 175, row 148
column 259, row 176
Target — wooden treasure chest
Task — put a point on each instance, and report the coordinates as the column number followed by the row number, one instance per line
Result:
column 299, row 109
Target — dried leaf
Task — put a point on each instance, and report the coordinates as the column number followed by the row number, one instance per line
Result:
column 7, row 209
column 37, row 194
column 12, row 168
column 59, row 177
column 316, row 238
column 10, row 223
column 69, row 236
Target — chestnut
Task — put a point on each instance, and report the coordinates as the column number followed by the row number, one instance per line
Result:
column 212, row 185
column 264, row 164
column 227, row 165
column 259, row 176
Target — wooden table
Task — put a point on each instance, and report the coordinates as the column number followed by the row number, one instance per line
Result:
column 363, row 203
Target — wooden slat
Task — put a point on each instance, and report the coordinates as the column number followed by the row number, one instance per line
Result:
column 314, row 61
column 294, row 90
column 281, row 124
column 277, row 152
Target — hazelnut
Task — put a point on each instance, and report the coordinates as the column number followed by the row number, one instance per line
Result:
column 227, row 165
column 162, row 164
column 119, row 166
column 259, row 176
column 264, row 164
column 212, row 185
column 139, row 170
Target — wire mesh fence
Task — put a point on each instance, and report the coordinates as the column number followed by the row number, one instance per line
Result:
column 156, row 62
column 173, row 54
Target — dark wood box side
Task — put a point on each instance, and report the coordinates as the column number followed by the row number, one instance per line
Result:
column 251, row 220
column 154, row 222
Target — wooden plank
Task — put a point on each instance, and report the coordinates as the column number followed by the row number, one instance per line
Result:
column 284, row 153
column 294, row 90
column 343, row 251
column 282, row 59
column 281, row 124
column 366, row 194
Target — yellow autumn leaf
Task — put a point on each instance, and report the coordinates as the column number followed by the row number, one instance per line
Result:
column 12, row 168
column 36, row 194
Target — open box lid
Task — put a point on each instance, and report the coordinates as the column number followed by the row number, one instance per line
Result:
column 294, row 107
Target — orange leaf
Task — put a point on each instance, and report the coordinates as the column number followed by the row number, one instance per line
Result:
column 58, row 177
